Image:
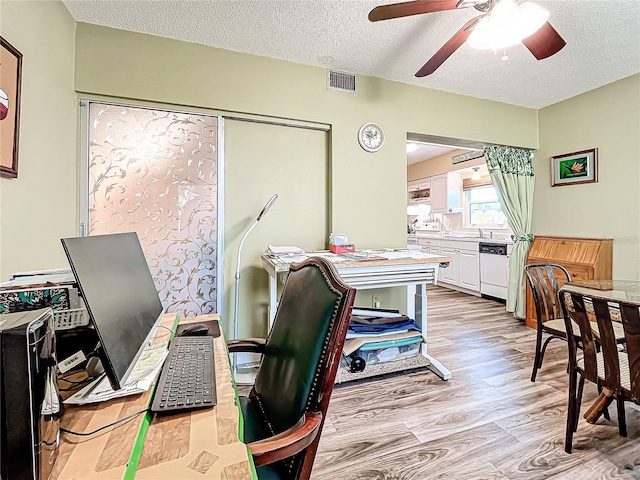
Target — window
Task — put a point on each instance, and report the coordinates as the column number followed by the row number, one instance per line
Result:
column 483, row 209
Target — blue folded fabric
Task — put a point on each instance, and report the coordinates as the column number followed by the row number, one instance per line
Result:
column 384, row 327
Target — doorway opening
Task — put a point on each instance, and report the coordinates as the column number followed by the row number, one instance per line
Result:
column 449, row 190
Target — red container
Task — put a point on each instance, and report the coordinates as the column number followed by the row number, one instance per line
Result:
column 343, row 248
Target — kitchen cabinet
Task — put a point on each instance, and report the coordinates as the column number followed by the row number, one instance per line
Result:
column 584, row 258
column 446, row 193
column 419, row 191
column 469, row 269
column 464, row 269
column 450, row 274
column 420, row 184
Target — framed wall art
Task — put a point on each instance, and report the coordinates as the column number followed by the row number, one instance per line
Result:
column 574, row 168
column 10, row 79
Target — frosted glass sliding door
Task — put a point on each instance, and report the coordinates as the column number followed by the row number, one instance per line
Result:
column 156, row 172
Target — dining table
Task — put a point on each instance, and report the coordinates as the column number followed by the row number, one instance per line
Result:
column 628, row 290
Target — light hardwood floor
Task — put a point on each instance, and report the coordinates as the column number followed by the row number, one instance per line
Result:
column 488, row 422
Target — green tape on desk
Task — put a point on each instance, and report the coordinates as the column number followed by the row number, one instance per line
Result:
column 136, row 452
column 134, row 459
column 252, row 466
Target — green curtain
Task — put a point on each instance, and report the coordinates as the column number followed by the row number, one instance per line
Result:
column 511, row 172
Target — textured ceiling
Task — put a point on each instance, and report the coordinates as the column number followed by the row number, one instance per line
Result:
column 603, row 41
column 426, row 151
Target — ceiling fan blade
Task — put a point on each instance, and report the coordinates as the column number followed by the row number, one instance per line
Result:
column 406, row 9
column 448, row 48
column 544, row 42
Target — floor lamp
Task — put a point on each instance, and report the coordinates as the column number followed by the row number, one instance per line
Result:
column 240, row 378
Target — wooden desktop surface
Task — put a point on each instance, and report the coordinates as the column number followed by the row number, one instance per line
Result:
column 200, row 444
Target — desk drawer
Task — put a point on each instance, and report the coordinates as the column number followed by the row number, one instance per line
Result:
column 579, row 272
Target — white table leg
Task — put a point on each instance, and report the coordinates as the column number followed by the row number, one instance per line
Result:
column 419, row 306
column 438, row 368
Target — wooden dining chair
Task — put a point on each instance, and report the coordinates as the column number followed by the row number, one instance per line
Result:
column 545, row 280
column 601, row 361
column 286, row 408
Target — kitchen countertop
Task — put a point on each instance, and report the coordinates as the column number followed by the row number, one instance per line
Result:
column 505, row 238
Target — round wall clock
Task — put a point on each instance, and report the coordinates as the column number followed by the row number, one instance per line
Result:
column 371, row 137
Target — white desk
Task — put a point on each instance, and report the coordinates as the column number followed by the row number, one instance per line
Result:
column 414, row 272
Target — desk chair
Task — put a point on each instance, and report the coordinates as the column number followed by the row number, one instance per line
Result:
column 602, row 362
column 285, row 410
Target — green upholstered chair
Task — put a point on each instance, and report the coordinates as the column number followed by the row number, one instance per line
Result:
column 285, row 410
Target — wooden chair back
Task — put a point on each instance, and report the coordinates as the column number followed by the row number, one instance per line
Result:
column 583, row 310
column 545, row 280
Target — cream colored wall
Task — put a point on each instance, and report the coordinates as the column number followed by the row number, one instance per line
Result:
column 129, row 65
column 40, row 206
column 439, row 165
column 607, row 118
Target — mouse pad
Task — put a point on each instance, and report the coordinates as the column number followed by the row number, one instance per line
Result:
column 213, row 325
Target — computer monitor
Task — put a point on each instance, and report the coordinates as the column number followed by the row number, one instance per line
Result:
column 114, row 280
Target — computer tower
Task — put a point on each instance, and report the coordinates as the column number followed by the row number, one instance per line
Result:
column 30, row 407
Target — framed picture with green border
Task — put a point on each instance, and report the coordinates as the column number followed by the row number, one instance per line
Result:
column 574, row 168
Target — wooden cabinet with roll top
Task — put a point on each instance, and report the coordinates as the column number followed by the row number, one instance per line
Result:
column 584, row 258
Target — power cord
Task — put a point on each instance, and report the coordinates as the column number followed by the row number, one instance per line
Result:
column 166, row 328
column 75, row 385
column 122, row 420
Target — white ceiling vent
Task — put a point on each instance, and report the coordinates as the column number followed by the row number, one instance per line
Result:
column 342, row 82
column 470, row 155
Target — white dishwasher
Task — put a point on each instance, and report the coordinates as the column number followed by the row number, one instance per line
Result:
column 494, row 269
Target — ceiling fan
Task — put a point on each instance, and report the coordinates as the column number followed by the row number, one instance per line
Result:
column 503, row 23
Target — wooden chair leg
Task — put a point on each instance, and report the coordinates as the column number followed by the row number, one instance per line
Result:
column 537, row 361
column 578, row 403
column 622, row 423
column 537, row 364
column 571, row 413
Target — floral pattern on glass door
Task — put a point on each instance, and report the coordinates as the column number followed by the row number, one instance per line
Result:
column 155, row 172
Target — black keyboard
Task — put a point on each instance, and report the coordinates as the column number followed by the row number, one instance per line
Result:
column 187, row 380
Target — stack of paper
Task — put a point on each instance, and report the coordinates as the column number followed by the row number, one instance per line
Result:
column 142, row 377
column 289, row 249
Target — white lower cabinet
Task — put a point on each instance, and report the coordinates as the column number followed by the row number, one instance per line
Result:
column 450, row 273
column 469, row 269
column 464, row 269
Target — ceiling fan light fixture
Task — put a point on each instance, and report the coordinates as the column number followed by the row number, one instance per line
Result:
column 507, row 25
column 467, row 3
column 493, row 33
column 531, row 18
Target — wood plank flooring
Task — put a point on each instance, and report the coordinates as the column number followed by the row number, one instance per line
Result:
column 488, row 422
